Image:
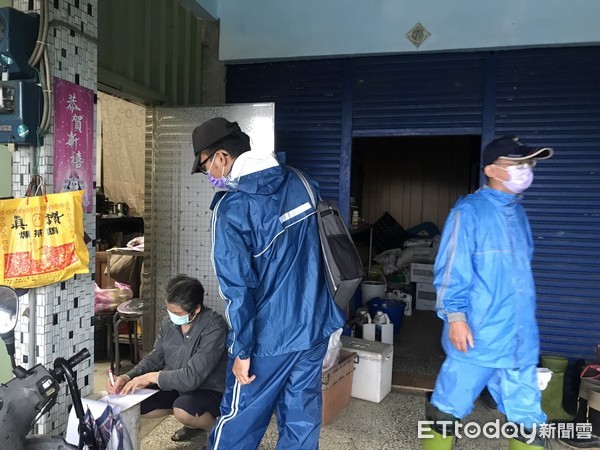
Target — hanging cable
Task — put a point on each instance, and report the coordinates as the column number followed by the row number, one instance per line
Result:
column 39, row 56
column 46, row 82
column 40, row 45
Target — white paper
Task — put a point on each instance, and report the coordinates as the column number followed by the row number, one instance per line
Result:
column 118, row 402
column 129, row 400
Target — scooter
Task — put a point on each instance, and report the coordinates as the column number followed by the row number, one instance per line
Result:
column 33, row 392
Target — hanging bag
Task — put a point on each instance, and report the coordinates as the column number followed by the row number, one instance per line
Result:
column 41, row 238
column 342, row 264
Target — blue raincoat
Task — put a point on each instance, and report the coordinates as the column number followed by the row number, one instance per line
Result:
column 267, row 258
column 483, row 274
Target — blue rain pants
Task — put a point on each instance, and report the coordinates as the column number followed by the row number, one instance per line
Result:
column 515, row 391
column 290, row 384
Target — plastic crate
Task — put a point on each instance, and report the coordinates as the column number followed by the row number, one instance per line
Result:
column 387, row 234
column 337, row 386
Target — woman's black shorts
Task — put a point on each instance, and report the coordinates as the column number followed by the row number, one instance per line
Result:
column 194, row 403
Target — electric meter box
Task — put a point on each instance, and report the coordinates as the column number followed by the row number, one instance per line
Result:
column 18, row 34
column 20, row 108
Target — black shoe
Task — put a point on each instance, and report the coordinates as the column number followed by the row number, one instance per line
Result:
column 186, row 434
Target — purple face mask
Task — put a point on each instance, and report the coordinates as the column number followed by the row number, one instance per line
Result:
column 219, row 183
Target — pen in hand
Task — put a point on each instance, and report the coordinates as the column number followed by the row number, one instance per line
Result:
column 112, row 379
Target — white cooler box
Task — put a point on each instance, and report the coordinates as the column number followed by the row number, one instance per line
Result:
column 372, row 378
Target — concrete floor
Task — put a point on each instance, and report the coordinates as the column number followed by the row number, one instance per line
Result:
column 362, row 425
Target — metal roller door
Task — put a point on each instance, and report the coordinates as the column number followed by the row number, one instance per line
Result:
column 546, row 96
column 308, row 99
column 552, row 97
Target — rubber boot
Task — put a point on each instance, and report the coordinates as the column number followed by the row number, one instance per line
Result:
column 515, row 444
column 552, row 396
column 437, row 442
column 442, row 435
column 591, row 440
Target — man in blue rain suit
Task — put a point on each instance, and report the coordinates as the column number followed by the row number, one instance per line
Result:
column 486, row 297
column 267, row 257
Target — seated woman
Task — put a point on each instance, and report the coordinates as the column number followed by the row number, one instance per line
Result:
column 187, row 363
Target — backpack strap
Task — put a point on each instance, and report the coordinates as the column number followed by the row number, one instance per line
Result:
column 307, row 186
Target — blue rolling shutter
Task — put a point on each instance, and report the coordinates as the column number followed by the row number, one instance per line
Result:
column 418, row 94
column 552, row 97
column 546, row 96
column 308, row 102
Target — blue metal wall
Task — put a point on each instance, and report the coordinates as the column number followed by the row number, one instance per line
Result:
column 546, row 96
column 308, row 102
column 439, row 94
column 552, row 97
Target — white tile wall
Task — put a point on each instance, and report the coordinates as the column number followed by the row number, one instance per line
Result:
column 64, row 311
column 182, row 211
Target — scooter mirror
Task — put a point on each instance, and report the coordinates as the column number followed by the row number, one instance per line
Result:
column 9, row 310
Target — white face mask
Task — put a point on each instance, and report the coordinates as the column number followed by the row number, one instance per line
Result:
column 179, row 320
column 520, row 178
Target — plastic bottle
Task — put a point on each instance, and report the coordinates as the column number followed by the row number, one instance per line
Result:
column 355, row 219
column 384, row 328
column 379, row 320
column 407, row 299
column 362, row 317
column 403, row 297
column 366, row 326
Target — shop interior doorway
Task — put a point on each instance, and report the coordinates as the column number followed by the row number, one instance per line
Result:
column 409, row 184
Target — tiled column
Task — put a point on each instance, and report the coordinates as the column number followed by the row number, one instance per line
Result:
column 63, row 311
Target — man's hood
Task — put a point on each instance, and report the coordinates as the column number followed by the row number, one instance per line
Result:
column 256, row 173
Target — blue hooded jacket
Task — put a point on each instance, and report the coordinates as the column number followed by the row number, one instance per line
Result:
column 267, row 258
column 483, row 275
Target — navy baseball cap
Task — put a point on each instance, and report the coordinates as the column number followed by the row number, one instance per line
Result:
column 510, row 148
column 207, row 134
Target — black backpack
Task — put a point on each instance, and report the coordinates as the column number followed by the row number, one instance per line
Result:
column 343, row 267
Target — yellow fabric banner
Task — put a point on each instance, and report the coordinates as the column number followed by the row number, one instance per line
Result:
column 41, row 239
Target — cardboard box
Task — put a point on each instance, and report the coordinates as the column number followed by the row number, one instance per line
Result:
column 426, row 297
column 421, row 273
column 372, row 379
column 336, row 386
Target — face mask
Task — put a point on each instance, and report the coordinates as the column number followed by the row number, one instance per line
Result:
column 179, row 320
column 219, row 183
column 520, row 178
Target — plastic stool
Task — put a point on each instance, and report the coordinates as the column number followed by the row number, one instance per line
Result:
column 129, row 311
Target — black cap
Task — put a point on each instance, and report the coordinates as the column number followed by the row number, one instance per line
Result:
column 207, row 134
column 509, row 147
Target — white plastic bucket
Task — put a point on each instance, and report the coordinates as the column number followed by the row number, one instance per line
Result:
column 372, row 289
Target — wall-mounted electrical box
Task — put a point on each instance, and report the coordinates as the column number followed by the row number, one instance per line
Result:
column 18, row 33
column 20, row 108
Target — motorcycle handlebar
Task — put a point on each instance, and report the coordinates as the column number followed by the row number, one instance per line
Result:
column 62, row 366
column 78, row 358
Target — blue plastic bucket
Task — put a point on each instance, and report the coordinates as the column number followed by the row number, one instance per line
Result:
column 392, row 307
